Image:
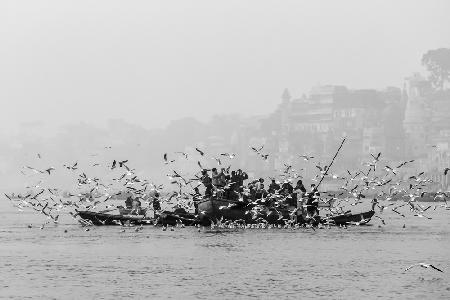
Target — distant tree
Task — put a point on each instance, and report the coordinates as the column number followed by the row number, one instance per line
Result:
column 437, row 63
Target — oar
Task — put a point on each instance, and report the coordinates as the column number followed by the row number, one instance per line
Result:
column 332, row 161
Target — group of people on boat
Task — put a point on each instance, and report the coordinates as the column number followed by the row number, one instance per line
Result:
column 133, row 204
column 231, row 186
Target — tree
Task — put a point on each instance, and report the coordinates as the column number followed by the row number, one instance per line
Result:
column 437, row 63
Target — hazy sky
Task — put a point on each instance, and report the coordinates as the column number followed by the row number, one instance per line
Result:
column 153, row 61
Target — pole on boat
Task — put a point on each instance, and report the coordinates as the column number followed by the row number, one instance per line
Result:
column 329, row 166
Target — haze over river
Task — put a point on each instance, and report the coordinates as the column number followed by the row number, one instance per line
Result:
column 105, row 263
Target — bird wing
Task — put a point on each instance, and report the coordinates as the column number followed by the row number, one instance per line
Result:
column 431, row 266
column 411, row 266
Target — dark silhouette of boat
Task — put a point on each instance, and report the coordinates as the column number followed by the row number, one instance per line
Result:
column 214, row 209
column 165, row 218
column 349, row 218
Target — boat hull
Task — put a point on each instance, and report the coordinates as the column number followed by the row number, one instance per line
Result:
column 113, row 219
column 215, row 209
column 165, row 218
column 345, row 219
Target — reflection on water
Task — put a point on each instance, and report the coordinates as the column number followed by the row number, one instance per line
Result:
column 105, row 263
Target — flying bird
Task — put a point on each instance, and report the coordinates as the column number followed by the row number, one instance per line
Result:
column 229, row 155
column 72, row 167
column 49, row 170
column 122, row 163
column 389, row 169
column 446, row 171
column 424, row 265
column 200, row 151
column 257, row 150
column 265, row 156
column 404, row 163
column 306, row 157
column 376, row 158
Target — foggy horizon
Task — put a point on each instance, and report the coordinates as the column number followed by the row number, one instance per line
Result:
column 152, row 63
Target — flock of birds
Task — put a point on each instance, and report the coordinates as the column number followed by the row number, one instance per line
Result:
column 376, row 179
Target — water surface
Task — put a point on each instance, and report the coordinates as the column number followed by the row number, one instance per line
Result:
column 105, row 263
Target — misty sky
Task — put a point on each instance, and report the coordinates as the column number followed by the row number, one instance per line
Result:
column 153, row 61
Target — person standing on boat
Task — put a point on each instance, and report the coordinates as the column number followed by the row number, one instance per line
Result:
column 299, row 189
column 222, row 178
column 129, row 202
column 207, row 182
column 215, row 177
column 287, row 188
column 260, row 192
column 241, row 176
column 273, row 187
column 299, row 192
column 196, row 197
column 156, row 204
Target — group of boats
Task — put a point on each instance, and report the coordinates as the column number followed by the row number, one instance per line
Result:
column 213, row 209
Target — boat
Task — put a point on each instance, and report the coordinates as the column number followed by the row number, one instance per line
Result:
column 98, row 218
column 214, row 209
column 349, row 218
column 165, row 218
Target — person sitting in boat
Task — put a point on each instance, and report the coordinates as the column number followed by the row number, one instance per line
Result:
column 207, row 182
column 273, row 187
column 136, row 206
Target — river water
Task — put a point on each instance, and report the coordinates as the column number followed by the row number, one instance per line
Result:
column 105, row 263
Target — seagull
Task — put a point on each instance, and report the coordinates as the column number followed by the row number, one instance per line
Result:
column 200, row 151
column 423, row 265
column 49, row 170
column 265, row 156
column 376, row 158
column 257, row 150
column 306, row 157
column 389, row 169
column 230, row 155
column 218, row 161
column 34, row 170
column 122, row 163
column 73, row 167
column 404, row 163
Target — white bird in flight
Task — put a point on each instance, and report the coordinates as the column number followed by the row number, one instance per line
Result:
column 424, row 265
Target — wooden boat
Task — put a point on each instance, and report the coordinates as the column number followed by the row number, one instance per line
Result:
column 165, row 218
column 214, row 209
column 349, row 218
column 98, row 218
